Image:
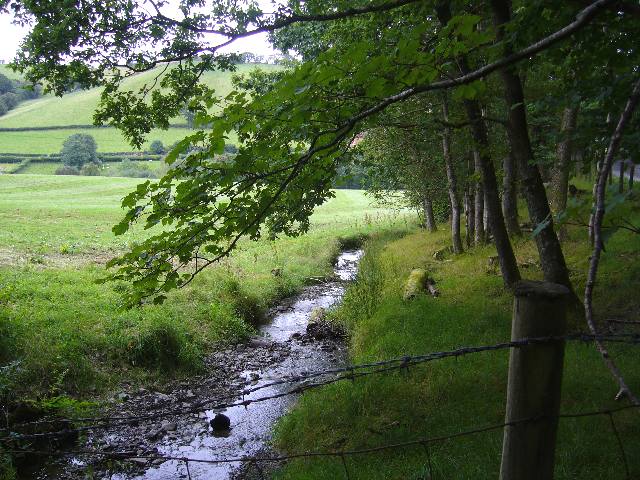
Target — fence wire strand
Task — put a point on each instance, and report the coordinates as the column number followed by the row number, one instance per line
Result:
column 342, row 454
column 339, row 374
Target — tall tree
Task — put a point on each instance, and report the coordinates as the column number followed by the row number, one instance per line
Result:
column 506, row 257
column 452, row 181
column 551, row 255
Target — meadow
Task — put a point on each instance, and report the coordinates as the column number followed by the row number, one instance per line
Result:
column 65, row 335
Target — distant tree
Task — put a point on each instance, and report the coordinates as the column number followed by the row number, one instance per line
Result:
column 79, row 149
column 11, row 100
column 27, row 91
column 3, row 107
column 67, row 170
column 157, row 147
column 91, row 169
column 189, row 116
column 230, row 148
column 6, row 85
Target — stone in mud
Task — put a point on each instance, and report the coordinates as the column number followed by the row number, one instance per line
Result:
column 322, row 330
column 169, row 426
column 220, row 422
column 259, row 342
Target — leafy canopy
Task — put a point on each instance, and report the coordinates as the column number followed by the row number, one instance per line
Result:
column 359, row 58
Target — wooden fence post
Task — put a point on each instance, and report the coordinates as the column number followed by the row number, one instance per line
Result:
column 535, row 378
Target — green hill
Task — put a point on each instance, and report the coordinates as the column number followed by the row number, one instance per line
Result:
column 7, row 72
column 77, row 108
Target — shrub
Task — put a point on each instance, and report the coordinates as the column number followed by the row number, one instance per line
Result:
column 6, row 85
column 230, row 148
column 3, row 107
column 127, row 168
column 159, row 344
column 91, row 169
column 11, row 100
column 157, row 147
column 67, row 170
column 79, row 149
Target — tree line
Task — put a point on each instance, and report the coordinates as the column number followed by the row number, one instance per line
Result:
column 14, row 92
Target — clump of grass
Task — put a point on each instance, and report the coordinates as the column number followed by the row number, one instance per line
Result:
column 159, row 343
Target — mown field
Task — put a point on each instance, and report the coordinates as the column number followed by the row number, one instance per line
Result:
column 61, row 334
column 455, row 395
column 77, row 108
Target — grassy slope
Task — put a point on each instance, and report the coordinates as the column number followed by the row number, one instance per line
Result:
column 68, row 332
column 451, row 395
column 77, row 108
column 7, row 72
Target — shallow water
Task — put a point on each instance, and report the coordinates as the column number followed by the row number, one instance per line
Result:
column 251, row 426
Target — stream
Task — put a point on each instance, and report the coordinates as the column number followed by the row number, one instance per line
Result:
column 283, row 348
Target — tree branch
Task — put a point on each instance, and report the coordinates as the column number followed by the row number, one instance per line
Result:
column 598, row 245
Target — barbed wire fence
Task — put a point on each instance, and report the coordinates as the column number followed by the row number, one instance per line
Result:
column 13, row 440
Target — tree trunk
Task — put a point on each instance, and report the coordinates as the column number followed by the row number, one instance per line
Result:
column 623, row 165
column 506, row 257
column 469, row 217
column 632, row 170
column 510, row 194
column 469, row 207
column 551, row 255
column 560, row 171
column 593, row 193
column 452, row 180
column 429, row 219
column 478, row 201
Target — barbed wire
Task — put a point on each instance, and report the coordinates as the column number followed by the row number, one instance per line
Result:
column 125, row 455
column 351, row 372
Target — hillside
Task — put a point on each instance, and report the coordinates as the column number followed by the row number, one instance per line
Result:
column 77, row 108
column 6, row 71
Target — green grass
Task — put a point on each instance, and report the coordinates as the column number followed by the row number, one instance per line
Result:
column 77, row 108
column 108, row 139
column 7, row 72
column 450, row 396
column 68, row 333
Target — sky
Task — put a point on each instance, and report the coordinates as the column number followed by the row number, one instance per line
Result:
column 11, row 36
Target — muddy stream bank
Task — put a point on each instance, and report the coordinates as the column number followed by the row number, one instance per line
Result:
column 283, row 348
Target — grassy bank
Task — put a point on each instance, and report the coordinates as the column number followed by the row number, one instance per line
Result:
column 61, row 334
column 449, row 396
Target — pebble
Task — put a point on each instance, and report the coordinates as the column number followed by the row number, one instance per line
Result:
column 169, row 426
